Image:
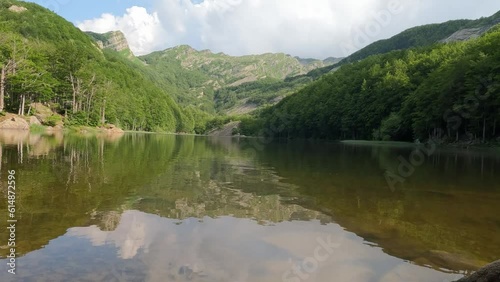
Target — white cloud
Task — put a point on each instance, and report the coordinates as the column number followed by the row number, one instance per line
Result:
column 319, row 28
column 141, row 28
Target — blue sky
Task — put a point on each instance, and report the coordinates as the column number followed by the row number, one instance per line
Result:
column 305, row 28
column 77, row 10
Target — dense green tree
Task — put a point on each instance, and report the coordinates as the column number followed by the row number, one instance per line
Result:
column 445, row 91
column 44, row 58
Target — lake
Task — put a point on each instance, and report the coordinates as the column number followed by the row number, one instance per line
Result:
column 152, row 207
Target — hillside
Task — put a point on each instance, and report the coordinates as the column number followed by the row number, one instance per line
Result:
column 93, row 79
column 420, row 36
column 198, row 75
column 446, row 92
column 249, row 97
column 46, row 59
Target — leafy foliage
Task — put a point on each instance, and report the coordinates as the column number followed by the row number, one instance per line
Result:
column 48, row 60
column 447, row 91
column 52, row 120
column 420, row 36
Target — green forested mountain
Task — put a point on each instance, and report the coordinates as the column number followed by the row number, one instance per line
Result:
column 419, row 36
column 270, row 92
column 199, row 75
column 395, row 89
column 423, row 36
column 45, row 58
column 448, row 91
column 92, row 79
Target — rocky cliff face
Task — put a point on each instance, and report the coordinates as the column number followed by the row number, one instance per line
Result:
column 466, row 34
column 114, row 40
column 17, row 9
column 474, row 31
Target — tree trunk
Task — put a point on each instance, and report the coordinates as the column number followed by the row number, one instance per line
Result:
column 21, row 106
column 73, row 103
column 484, row 129
column 103, row 117
column 495, row 128
column 2, row 89
column 89, row 99
column 74, row 86
column 91, row 90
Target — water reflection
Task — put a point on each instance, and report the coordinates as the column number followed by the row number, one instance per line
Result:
column 168, row 208
column 146, row 247
column 445, row 215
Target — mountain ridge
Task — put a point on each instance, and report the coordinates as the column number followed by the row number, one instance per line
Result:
column 417, row 94
column 209, row 72
column 91, row 78
column 195, row 75
column 418, row 36
column 218, row 76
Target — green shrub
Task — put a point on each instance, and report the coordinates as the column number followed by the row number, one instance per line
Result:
column 251, row 126
column 52, row 120
column 76, row 119
column 37, row 128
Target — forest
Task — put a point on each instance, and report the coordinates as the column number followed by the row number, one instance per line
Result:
column 419, row 36
column 45, row 59
column 448, row 92
column 412, row 87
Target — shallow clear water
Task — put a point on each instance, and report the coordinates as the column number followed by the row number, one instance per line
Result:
column 182, row 208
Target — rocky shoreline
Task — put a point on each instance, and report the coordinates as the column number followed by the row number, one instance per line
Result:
column 15, row 122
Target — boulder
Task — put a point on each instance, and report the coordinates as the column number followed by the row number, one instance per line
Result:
column 35, row 120
column 11, row 121
column 489, row 273
column 42, row 112
column 111, row 129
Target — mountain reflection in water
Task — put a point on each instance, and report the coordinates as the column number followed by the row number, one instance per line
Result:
column 183, row 208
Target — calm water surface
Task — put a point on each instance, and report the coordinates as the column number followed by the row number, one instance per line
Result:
column 184, row 208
